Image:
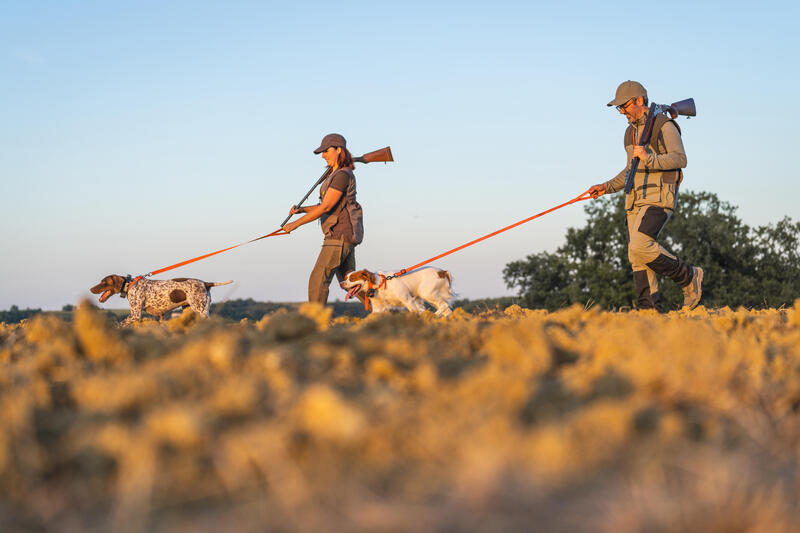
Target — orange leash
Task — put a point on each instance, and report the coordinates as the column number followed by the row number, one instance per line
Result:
column 176, row 265
column 582, row 197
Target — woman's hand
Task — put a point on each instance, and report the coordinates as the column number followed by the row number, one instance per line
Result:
column 296, row 210
column 290, row 227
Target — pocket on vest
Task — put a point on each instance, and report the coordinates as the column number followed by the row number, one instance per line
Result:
column 648, row 194
column 328, row 223
column 357, row 222
column 670, row 195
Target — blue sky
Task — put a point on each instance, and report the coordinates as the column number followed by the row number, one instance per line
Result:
column 135, row 135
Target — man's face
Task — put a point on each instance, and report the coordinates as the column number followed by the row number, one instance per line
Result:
column 633, row 109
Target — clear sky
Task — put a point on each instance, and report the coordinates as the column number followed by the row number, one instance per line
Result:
column 134, row 135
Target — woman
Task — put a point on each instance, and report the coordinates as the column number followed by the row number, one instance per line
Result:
column 340, row 215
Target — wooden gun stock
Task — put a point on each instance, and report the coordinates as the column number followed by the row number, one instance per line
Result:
column 684, row 107
column 383, row 155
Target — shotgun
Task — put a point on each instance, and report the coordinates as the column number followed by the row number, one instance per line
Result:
column 684, row 107
column 383, row 155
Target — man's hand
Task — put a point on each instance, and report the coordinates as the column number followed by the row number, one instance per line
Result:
column 597, row 191
column 640, row 152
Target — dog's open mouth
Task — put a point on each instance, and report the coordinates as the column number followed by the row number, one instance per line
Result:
column 352, row 292
column 97, row 289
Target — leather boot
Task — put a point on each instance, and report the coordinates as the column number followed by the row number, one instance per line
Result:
column 694, row 290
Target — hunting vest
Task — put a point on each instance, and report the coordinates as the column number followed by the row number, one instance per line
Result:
column 654, row 186
column 346, row 219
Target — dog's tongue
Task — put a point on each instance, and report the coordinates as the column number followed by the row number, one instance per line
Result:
column 352, row 292
column 105, row 296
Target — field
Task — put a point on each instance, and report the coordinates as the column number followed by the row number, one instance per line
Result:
column 512, row 420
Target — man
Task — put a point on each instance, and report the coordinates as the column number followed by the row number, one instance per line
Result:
column 652, row 199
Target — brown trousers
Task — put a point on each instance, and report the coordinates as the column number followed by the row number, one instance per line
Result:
column 644, row 224
column 336, row 257
column 649, row 258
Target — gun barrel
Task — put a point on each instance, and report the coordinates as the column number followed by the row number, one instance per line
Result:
column 644, row 138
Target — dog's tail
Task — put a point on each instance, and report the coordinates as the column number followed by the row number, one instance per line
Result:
column 444, row 274
column 210, row 284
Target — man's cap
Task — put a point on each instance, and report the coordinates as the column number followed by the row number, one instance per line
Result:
column 628, row 90
column 331, row 140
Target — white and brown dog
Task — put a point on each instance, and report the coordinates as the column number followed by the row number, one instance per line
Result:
column 157, row 297
column 428, row 284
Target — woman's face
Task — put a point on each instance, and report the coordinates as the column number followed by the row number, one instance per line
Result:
column 331, row 156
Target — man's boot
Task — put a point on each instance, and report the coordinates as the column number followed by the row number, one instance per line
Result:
column 689, row 278
column 693, row 291
column 642, row 285
column 655, row 299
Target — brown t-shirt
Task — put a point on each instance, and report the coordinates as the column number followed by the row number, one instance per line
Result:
column 343, row 228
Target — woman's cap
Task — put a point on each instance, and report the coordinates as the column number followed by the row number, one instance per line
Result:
column 331, row 140
column 626, row 91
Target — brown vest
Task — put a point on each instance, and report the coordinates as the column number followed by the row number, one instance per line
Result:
column 346, row 220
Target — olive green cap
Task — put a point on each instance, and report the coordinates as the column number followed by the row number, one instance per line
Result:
column 628, row 90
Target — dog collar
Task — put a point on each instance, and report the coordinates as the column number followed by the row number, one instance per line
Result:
column 129, row 282
column 372, row 290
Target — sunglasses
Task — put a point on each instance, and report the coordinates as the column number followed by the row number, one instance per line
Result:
column 624, row 107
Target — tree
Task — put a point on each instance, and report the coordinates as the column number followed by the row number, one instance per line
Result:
column 15, row 314
column 743, row 266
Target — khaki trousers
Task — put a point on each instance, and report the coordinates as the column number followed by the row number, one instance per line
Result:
column 336, row 257
column 644, row 224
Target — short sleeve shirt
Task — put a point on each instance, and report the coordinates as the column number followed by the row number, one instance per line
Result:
column 340, row 182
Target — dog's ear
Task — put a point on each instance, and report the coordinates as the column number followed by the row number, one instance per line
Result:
column 117, row 282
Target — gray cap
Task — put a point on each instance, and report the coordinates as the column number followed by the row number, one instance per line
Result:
column 331, row 139
column 628, row 90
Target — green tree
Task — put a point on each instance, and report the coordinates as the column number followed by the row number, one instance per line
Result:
column 743, row 266
column 15, row 314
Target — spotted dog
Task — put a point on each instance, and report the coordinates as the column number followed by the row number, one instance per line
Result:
column 157, row 297
column 411, row 290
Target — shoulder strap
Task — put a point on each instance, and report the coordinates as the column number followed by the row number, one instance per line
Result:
column 658, row 124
